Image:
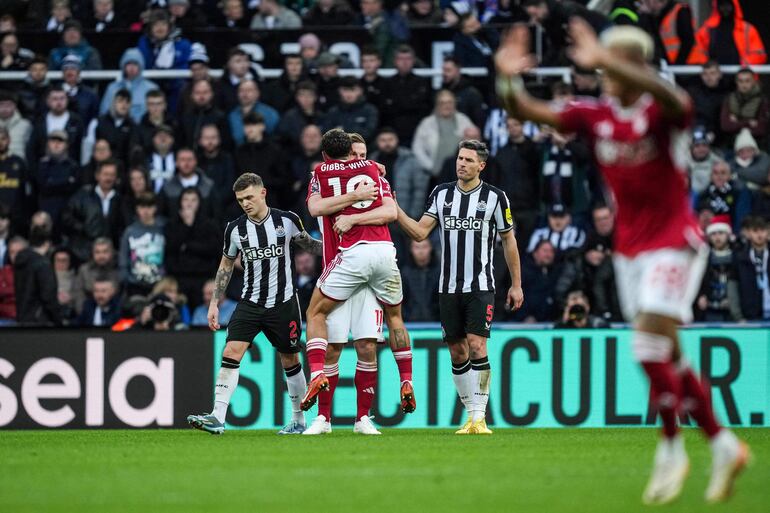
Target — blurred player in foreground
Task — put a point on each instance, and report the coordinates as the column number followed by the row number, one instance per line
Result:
column 638, row 133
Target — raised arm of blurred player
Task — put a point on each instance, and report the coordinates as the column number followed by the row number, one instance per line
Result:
column 511, row 60
column 416, row 230
column 511, row 252
column 587, row 52
column 320, row 206
column 384, row 214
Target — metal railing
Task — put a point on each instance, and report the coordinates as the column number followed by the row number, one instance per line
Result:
column 563, row 72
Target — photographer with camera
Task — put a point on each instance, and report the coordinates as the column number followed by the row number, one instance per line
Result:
column 577, row 313
column 160, row 314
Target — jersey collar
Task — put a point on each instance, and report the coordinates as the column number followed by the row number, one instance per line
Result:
column 261, row 221
column 457, row 186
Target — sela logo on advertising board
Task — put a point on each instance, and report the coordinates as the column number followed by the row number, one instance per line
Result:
column 38, row 389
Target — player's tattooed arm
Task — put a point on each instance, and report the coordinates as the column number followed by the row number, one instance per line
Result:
column 305, row 242
column 222, row 278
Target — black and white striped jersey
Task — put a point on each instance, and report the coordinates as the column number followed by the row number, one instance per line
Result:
column 470, row 222
column 266, row 254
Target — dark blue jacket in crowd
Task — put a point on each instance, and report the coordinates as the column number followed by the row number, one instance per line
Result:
column 110, row 314
column 750, row 293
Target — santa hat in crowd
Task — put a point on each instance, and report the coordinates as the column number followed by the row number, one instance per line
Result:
column 719, row 223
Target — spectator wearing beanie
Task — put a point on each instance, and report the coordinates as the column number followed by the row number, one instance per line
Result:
column 700, row 160
column 749, row 163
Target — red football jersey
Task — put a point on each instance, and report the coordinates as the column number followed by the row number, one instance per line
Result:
column 334, row 178
column 330, row 239
column 641, row 155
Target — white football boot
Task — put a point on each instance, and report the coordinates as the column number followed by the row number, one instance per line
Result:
column 319, row 426
column 364, row 426
column 670, row 469
column 729, row 457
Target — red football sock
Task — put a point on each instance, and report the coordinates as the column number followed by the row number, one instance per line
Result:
column 403, row 358
column 697, row 402
column 325, row 396
column 366, row 383
column 316, row 355
column 665, row 393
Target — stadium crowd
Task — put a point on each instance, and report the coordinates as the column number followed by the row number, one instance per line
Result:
column 113, row 197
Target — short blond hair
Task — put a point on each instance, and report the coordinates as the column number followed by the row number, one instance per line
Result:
column 630, row 39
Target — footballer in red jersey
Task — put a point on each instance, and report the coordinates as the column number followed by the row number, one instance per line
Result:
column 638, row 135
column 366, row 258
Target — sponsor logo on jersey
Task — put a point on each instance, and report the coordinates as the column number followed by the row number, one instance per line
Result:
column 508, row 216
column 271, row 251
column 482, row 206
column 463, row 223
column 280, row 232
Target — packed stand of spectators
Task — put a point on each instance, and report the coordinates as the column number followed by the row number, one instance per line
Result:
column 114, row 195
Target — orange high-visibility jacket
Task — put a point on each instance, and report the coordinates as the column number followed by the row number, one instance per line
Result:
column 671, row 42
column 747, row 40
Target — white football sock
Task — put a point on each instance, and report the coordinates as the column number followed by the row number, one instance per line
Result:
column 480, row 376
column 461, row 375
column 227, row 380
column 296, row 383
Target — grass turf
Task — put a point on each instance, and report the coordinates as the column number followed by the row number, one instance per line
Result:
column 524, row 470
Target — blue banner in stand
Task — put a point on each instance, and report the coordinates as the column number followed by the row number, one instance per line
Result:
column 540, row 378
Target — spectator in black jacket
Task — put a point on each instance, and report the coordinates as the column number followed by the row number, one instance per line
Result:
column 328, row 80
column 35, row 283
column 655, row 22
column 103, row 309
column 191, row 257
column 539, row 273
column 302, row 164
column 101, row 264
column 216, row 163
column 353, row 113
column 590, row 271
column 237, row 69
column 375, row 86
column 410, row 97
column 474, row 44
column 553, row 16
column 187, row 175
column 34, row 88
column 304, row 113
column 260, row 155
column 420, row 273
column 470, row 101
column 752, row 267
column 202, row 112
column 94, row 211
column 57, row 118
column 13, row 180
column 116, row 127
column 708, row 95
column 329, row 13
column 306, row 266
column 82, row 99
column 56, row 177
column 157, row 115
column 279, row 93
column 519, row 162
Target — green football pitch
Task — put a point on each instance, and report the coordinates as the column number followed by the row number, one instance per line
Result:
column 521, row 470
